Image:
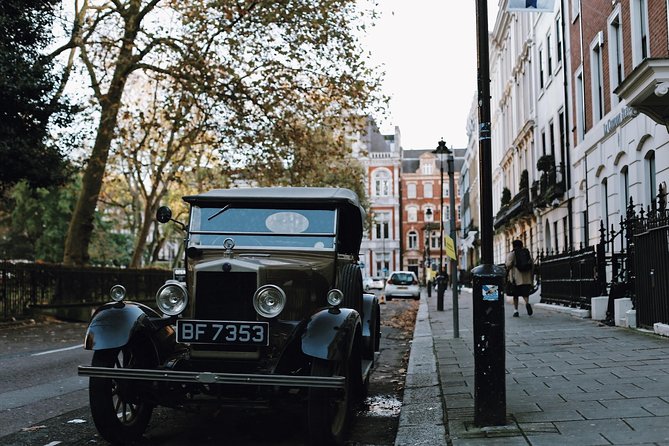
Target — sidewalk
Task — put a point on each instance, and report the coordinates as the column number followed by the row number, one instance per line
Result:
column 569, row 381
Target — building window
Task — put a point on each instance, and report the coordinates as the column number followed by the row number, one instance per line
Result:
column 561, row 133
column 639, row 18
column 381, row 183
column 412, row 240
column 549, row 56
column 580, row 105
column 427, row 167
column 597, row 70
column 624, row 188
column 543, row 142
column 382, row 225
column 412, row 214
column 605, row 202
column 651, row 179
column 615, row 54
column 551, row 135
column 411, row 190
column 575, row 8
column 558, row 39
column 427, row 190
column 555, row 236
column 541, row 68
column 434, row 240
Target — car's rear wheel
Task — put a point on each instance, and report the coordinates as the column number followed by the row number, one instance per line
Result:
column 328, row 410
column 118, row 411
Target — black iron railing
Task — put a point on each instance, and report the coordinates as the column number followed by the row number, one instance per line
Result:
column 26, row 285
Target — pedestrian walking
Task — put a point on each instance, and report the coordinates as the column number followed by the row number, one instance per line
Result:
column 520, row 275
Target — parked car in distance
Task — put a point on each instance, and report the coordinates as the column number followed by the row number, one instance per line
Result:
column 268, row 310
column 373, row 283
column 402, row 284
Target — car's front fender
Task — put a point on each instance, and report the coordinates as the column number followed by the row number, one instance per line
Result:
column 329, row 333
column 114, row 324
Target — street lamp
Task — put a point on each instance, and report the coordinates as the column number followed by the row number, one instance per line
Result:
column 454, row 261
column 441, row 150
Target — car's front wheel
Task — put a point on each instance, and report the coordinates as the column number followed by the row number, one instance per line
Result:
column 119, row 413
column 328, row 410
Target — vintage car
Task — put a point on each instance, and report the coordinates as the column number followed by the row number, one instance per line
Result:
column 269, row 309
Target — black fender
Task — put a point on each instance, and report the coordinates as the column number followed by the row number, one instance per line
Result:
column 114, row 324
column 329, row 334
column 371, row 315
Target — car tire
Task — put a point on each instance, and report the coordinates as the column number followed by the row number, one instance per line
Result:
column 119, row 416
column 329, row 411
column 349, row 282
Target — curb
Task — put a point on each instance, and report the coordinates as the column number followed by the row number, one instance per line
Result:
column 422, row 413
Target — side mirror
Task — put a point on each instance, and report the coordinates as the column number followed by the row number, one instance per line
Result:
column 163, row 214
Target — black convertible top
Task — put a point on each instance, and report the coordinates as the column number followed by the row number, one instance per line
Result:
column 351, row 218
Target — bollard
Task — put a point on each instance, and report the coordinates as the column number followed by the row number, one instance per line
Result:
column 489, row 346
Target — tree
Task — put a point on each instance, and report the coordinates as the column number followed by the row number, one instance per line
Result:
column 256, row 66
column 28, row 96
column 163, row 142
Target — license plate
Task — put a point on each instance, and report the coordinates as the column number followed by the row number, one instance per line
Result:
column 223, row 332
column 401, row 288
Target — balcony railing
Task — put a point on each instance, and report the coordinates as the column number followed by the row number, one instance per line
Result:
column 549, row 187
column 518, row 207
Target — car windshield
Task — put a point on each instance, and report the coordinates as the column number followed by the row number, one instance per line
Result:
column 280, row 228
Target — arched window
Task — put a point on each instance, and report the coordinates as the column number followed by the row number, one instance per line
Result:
column 412, row 240
column 382, row 183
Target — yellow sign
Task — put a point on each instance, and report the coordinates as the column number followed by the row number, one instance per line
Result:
column 450, row 247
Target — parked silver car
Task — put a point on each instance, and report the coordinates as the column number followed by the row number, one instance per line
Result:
column 402, row 284
column 372, row 283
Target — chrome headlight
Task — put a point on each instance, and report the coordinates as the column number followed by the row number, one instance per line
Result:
column 335, row 297
column 117, row 293
column 269, row 300
column 172, row 298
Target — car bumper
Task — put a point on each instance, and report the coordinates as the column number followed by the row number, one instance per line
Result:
column 333, row 382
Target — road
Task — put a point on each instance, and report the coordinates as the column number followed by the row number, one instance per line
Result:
column 44, row 402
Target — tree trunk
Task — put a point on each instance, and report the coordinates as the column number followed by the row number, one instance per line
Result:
column 81, row 224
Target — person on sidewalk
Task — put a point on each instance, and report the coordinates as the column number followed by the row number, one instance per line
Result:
column 520, row 267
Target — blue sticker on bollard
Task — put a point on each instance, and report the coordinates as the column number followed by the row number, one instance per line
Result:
column 490, row 293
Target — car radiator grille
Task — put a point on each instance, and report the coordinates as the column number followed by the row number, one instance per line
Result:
column 225, row 296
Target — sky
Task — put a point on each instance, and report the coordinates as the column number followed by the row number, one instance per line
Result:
column 427, row 49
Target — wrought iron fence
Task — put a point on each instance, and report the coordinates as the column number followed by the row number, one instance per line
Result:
column 651, row 266
column 25, row 285
column 570, row 278
column 630, row 260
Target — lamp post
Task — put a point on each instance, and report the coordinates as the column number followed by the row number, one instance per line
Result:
column 487, row 299
column 454, row 261
column 441, row 150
